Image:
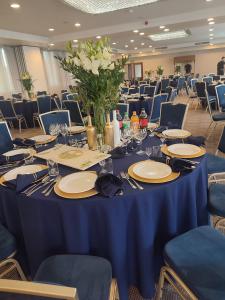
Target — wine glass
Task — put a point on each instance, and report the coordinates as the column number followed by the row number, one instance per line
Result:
column 54, row 130
column 140, row 136
column 148, row 151
column 126, row 137
column 163, row 138
column 64, row 132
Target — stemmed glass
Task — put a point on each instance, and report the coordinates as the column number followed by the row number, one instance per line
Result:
column 140, row 136
column 126, row 137
column 54, row 130
column 148, row 151
column 163, row 138
column 64, row 132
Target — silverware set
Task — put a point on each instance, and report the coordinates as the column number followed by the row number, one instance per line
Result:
column 47, row 182
column 133, row 183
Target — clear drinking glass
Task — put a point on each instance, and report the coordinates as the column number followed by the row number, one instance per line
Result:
column 64, row 132
column 106, row 166
column 140, row 136
column 53, row 169
column 148, row 151
column 54, row 130
column 126, row 137
column 156, row 151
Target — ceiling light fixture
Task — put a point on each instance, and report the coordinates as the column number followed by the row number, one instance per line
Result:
column 51, row 44
column 150, row 46
column 77, row 24
column 51, row 29
column 211, row 34
column 75, row 41
column 126, row 46
column 114, row 43
column 135, row 31
column 166, row 29
column 162, row 27
column 131, row 41
column 169, row 35
column 98, row 37
column 102, row 6
column 15, row 5
column 142, row 44
column 211, row 23
column 135, row 48
column 211, row 38
column 211, row 29
column 210, row 19
column 208, row 0
column 142, row 33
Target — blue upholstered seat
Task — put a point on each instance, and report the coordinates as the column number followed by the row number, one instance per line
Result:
column 218, row 117
column 7, row 243
column 60, row 117
column 90, row 275
column 215, row 163
column 198, row 257
column 216, row 201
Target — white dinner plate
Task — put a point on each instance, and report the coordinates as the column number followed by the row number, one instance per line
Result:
column 19, row 151
column 184, row 149
column 179, row 133
column 42, row 138
column 76, row 129
column 152, row 170
column 77, row 182
column 29, row 169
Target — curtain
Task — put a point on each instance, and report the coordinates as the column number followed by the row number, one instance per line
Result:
column 9, row 75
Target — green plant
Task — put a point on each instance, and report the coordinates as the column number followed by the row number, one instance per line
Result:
column 148, row 73
column 27, row 82
column 159, row 71
column 97, row 75
column 177, row 69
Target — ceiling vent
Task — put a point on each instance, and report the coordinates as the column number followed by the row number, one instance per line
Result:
column 161, row 48
column 201, row 43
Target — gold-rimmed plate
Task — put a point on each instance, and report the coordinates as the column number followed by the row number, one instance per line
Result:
column 76, row 129
column 29, row 151
column 169, row 178
column 86, row 194
column 43, row 139
column 150, row 169
column 201, row 152
column 176, row 133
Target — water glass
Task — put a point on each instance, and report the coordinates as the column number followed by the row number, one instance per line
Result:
column 53, row 169
column 106, row 166
column 148, row 151
column 156, row 151
column 64, row 132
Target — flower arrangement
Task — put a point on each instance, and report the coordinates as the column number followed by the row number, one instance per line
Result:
column 27, row 82
column 97, row 75
column 159, row 70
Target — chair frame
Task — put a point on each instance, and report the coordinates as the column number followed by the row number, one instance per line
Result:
column 185, row 114
column 79, row 111
column 53, row 112
column 168, row 274
column 217, row 96
column 7, row 127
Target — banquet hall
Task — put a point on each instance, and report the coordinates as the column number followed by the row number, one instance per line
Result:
column 112, row 149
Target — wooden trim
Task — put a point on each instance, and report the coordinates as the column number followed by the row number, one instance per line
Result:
column 38, row 289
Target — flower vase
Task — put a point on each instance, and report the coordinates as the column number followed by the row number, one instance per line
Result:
column 100, row 141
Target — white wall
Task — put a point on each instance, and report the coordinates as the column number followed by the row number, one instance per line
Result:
column 35, row 66
column 205, row 61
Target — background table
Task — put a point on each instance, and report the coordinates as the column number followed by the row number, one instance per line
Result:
column 129, row 230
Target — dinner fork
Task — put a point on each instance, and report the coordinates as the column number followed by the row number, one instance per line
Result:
column 39, row 187
column 51, row 186
column 123, row 175
column 134, row 181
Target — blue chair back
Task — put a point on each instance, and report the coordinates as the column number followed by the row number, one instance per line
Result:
column 41, row 93
column 54, row 117
column 220, row 94
column 17, row 96
column 173, row 95
column 124, row 90
column 193, row 82
column 164, row 84
column 207, row 80
column 133, row 91
column 64, row 96
column 7, row 109
column 200, row 89
column 6, row 143
column 180, row 83
column 156, row 106
column 173, row 115
column 216, row 77
column 44, row 104
column 211, row 74
column 123, row 108
column 150, row 91
column 168, row 91
column 75, row 113
column 142, row 88
column 221, row 146
column 71, row 96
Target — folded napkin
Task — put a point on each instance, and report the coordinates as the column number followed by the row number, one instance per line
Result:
column 160, row 129
column 23, row 181
column 108, row 185
column 118, row 152
column 132, row 146
column 176, row 164
column 14, row 158
column 194, row 140
column 23, row 142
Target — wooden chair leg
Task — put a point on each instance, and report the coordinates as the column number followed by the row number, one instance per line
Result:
column 114, row 292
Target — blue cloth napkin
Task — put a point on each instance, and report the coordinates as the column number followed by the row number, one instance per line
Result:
column 10, row 159
column 176, row 164
column 118, row 152
column 23, row 142
column 194, row 140
column 23, row 181
column 108, row 185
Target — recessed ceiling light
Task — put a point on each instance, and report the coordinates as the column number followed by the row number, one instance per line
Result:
column 75, row 41
column 126, row 46
column 166, row 29
column 211, row 44
column 169, row 35
column 98, row 37
column 51, row 29
column 102, row 6
column 15, row 5
column 77, row 24
column 210, row 19
column 131, row 41
column 211, row 23
column 150, row 46
column 162, row 27
column 211, row 34
column 135, row 48
column 208, row 0
column 135, row 31
column 142, row 33
column 211, row 38
column 140, row 52
column 211, row 29
column 51, row 44
column 142, row 44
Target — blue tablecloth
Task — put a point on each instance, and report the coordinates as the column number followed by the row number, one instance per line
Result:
column 129, row 230
column 26, row 109
column 138, row 105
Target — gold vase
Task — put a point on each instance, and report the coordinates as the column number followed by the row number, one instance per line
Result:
column 91, row 135
column 108, row 132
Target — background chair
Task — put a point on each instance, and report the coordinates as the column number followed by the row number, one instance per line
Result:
column 220, row 94
column 208, row 80
column 124, row 90
column 173, row 115
column 180, row 84
column 6, row 143
column 173, row 95
column 10, row 114
column 75, row 112
column 195, row 265
column 54, row 117
column 44, row 105
column 71, row 96
column 156, row 107
column 133, row 91
column 150, row 91
column 164, row 85
column 123, row 108
column 142, row 88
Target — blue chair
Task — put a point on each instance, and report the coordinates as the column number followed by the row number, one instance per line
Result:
column 71, row 96
column 156, row 107
column 193, row 82
column 150, row 91
column 207, row 80
column 173, row 95
column 91, row 276
column 164, row 85
column 216, row 77
column 211, row 74
column 168, row 91
column 220, row 94
column 44, row 105
column 64, row 95
column 180, row 84
column 195, row 265
column 8, row 248
column 6, row 143
column 2, row 98
column 142, row 88
column 54, row 117
column 41, row 93
column 133, row 91
column 17, row 96
column 173, row 115
column 123, row 108
column 10, row 114
column 124, row 90
column 75, row 113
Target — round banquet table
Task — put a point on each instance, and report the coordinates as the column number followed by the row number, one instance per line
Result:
column 130, row 230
